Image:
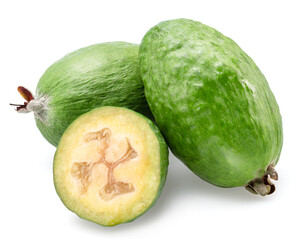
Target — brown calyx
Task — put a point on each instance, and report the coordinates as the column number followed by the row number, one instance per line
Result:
column 83, row 170
column 263, row 185
column 27, row 95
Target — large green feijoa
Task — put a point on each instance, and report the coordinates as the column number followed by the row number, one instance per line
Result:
column 104, row 74
column 110, row 165
column 212, row 104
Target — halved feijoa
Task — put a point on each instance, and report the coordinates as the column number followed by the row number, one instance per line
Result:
column 110, row 165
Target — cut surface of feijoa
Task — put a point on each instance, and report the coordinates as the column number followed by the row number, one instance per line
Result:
column 110, row 165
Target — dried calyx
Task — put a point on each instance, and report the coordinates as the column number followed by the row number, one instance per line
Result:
column 263, row 185
column 38, row 106
column 31, row 104
column 27, row 95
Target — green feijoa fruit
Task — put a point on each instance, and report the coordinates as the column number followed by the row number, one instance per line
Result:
column 105, row 74
column 110, row 165
column 212, row 104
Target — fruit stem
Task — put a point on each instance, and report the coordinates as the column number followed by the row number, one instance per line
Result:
column 263, row 185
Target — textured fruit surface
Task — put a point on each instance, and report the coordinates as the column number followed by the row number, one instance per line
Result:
column 110, row 165
column 211, row 102
column 99, row 75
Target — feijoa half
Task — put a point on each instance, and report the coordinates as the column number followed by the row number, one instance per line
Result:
column 110, row 165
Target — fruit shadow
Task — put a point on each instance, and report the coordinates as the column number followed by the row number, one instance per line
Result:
column 181, row 184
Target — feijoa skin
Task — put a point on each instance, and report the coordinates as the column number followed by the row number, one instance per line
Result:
column 110, row 165
column 105, row 74
column 212, row 104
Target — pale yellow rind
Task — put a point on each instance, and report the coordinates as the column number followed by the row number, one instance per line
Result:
column 143, row 172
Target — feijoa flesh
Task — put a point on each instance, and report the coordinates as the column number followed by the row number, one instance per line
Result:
column 110, row 165
column 105, row 74
column 212, row 104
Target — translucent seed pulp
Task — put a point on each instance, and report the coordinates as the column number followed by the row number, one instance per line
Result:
column 82, row 171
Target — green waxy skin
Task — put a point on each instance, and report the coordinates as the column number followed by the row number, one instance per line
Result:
column 211, row 102
column 99, row 75
column 146, row 171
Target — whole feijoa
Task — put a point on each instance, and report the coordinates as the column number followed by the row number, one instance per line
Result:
column 105, row 74
column 110, row 165
column 212, row 104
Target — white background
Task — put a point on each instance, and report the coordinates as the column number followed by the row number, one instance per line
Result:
column 34, row 34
